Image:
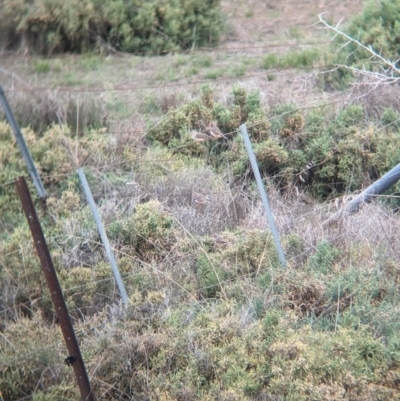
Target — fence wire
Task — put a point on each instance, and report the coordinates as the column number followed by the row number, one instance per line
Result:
column 166, row 85
column 180, row 291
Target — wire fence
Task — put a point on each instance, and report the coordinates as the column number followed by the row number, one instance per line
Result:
column 294, row 219
column 120, row 252
column 340, row 236
column 177, row 289
column 127, row 88
column 173, row 294
column 313, row 105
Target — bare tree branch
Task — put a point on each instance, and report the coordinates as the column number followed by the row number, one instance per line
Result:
column 388, row 67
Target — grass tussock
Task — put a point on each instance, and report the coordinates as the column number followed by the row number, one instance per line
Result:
column 294, row 59
column 40, row 109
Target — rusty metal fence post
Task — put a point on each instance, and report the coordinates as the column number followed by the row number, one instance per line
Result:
column 75, row 357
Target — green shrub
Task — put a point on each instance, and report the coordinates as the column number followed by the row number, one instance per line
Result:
column 237, row 71
column 210, row 274
column 271, row 156
column 271, row 61
column 390, row 119
column 38, row 352
column 147, row 233
column 138, row 26
column 174, row 129
column 245, row 255
column 304, row 58
column 205, row 61
column 344, row 151
column 324, row 257
column 292, row 59
column 41, row 66
column 214, row 73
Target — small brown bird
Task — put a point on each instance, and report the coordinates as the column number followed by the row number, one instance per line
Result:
column 199, row 202
column 219, row 241
column 199, row 136
column 199, row 199
column 214, row 131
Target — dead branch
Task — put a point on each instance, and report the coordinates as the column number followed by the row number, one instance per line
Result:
column 388, row 67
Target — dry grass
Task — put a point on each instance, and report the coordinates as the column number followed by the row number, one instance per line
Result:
column 375, row 98
column 374, row 226
column 41, row 109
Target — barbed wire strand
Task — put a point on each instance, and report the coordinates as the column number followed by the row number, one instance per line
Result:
column 267, row 46
column 255, row 124
column 168, row 85
column 142, row 159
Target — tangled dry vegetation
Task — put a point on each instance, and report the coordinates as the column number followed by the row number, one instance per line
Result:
column 211, row 314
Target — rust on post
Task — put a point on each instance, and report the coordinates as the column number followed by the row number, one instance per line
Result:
column 75, row 358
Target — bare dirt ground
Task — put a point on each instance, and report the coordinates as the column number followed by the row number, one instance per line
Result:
column 262, row 27
column 266, row 22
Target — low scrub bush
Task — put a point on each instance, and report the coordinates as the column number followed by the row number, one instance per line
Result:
column 37, row 353
column 147, row 233
column 293, row 59
column 241, row 347
column 55, row 154
column 325, row 153
column 241, row 255
column 244, row 107
column 150, row 27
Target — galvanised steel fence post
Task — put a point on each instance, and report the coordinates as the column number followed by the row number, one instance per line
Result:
column 103, row 235
column 22, row 145
column 263, row 194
